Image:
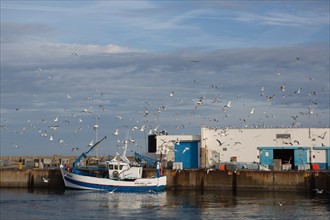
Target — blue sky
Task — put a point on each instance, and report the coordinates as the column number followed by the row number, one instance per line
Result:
column 65, row 62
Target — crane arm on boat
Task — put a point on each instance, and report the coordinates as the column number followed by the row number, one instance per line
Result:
column 84, row 155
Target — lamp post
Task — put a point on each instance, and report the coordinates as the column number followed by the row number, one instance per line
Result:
column 96, row 129
column 310, row 111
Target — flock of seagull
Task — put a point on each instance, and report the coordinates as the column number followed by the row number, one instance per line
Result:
column 147, row 119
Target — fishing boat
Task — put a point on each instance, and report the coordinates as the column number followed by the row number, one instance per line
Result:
column 119, row 175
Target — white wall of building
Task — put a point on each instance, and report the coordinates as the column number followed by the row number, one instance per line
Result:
column 243, row 143
column 318, row 156
column 219, row 145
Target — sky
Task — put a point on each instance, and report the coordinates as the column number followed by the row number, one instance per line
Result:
column 73, row 72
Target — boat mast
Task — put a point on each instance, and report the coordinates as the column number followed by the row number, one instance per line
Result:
column 123, row 157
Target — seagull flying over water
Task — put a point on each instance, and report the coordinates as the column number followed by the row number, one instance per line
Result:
column 112, row 191
column 208, row 170
column 318, row 191
column 45, row 180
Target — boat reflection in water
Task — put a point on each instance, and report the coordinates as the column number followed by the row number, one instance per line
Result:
column 168, row 204
column 147, row 200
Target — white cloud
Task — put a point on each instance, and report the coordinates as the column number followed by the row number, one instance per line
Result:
column 301, row 19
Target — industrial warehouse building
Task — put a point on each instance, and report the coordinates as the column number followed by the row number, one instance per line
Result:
column 260, row 148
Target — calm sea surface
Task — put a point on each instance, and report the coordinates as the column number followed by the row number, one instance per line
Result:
column 181, row 204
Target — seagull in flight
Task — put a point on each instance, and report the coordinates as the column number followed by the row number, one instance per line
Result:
column 281, row 203
column 45, row 180
column 228, row 105
column 208, row 170
column 318, row 191
column 220, row 143
column 90, row 144
column 298, row 91
column 116, row 133
column 200, row 102
column 187, row 148
column 14, row 145
column 112, row 191
column 322, row 136
column 119, row 117
column 277, row 73
column 54, row 127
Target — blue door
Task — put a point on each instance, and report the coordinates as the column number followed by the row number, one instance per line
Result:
column 187, row 153
column 266, row 156
column 300, row 156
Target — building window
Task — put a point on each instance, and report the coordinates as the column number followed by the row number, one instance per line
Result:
column 283, row 136
column 224, row 149
column 233, row 159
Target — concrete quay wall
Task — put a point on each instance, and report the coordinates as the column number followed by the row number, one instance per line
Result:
column 189, row 179
column 248, row 180
column 31, row 178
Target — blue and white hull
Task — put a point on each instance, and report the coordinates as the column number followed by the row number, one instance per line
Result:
column 76, row 181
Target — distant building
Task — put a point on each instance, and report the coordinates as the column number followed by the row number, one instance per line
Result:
column 274, row 148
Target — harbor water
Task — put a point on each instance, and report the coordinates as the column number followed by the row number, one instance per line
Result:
column 170, row 204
